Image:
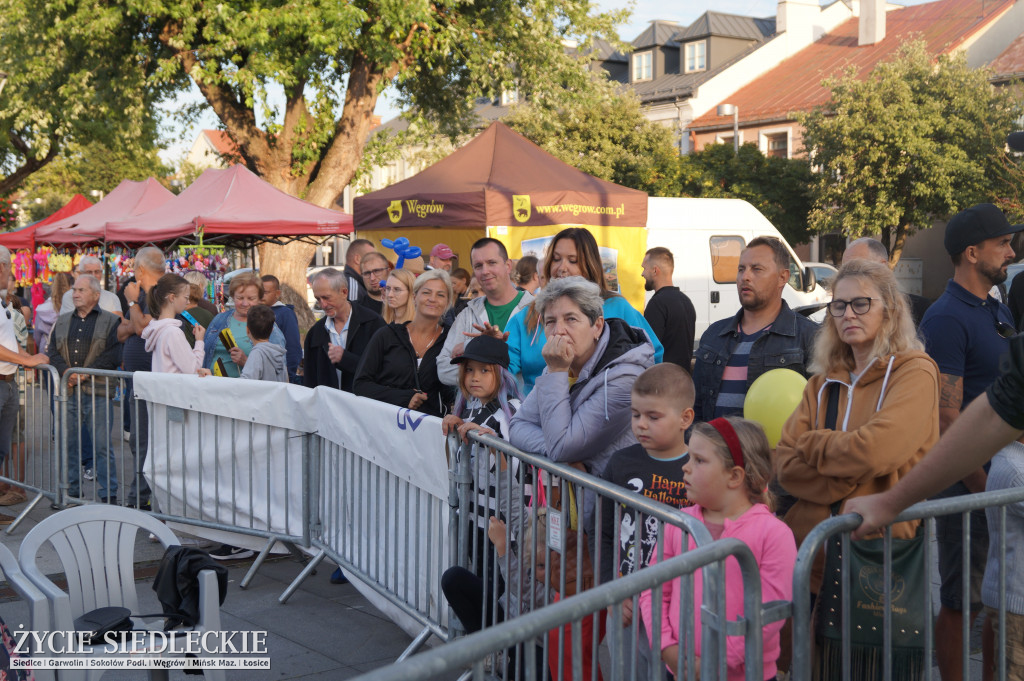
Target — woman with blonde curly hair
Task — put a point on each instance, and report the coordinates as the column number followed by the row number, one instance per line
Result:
column 869, row 361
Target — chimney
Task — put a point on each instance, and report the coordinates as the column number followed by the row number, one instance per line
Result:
column 798, row 19
column 871, row 24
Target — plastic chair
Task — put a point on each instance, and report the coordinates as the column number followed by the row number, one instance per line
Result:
column 38, row 607
column 96, row 547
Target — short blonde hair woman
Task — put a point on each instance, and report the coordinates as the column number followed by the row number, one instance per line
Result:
column 887, row 393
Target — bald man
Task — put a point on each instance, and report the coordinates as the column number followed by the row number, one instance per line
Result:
column 867, row 248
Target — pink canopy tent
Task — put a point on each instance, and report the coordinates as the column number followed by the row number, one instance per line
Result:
column 233, row 201
column 126, row 200
column 26, row 237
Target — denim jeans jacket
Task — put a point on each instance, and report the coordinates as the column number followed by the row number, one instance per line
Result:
column 787, row 345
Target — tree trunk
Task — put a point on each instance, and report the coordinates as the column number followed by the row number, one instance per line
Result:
column 288, row 263
column 896, row 251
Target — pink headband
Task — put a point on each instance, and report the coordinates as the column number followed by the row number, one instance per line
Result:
column 732, row 441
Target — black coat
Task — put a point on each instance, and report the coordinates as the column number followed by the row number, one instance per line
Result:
column 388, row 371
column 318, row 368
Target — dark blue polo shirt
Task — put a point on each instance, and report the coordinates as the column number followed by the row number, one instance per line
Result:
column 135, row 357
column 959, row 331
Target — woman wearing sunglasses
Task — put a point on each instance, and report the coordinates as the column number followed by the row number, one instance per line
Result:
column 869, row 361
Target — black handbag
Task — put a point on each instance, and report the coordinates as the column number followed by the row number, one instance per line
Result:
column 99, row 622
column 908, row 588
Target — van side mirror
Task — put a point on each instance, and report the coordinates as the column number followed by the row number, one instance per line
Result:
column 810, row 281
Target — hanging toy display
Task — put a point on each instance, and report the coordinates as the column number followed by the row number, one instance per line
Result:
column 121, row 264
column 403, row 249
column 24, row 267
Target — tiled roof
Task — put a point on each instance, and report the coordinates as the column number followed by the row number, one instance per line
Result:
column 1011, row 62
column 727, row 26
column 224, row 145
column 795, row 84
column 658, row 34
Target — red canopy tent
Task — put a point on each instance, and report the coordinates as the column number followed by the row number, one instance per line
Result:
column 26, row 237
column 126, row 200
column 233, row 201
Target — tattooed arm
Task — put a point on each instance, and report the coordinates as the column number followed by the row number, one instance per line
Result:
column 951, row 399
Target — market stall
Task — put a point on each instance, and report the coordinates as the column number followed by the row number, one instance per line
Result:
column 27, row 237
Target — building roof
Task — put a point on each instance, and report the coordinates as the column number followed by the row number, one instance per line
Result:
column 1010, row 64
column 603, row 51
column 727, row 26
column 795, row 84
column 224, row 145
column 658, row 34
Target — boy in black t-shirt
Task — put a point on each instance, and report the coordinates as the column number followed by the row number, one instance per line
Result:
column 662, row 411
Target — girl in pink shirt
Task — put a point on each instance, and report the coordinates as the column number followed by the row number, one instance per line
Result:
column 164, row 337
column 726, row 476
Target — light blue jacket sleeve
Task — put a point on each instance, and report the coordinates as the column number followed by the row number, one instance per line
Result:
column 619, row 308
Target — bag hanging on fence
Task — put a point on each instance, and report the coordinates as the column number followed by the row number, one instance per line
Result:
column 867, row 601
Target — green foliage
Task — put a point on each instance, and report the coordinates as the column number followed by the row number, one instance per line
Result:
column 604, row 135
column 778, row 187
column 82, row 169
column 918, row 139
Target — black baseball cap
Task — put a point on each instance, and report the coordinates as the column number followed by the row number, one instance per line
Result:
column 486, row 349
column 1015, row 140
column 975, row 224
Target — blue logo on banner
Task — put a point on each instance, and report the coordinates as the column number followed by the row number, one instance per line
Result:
column 405, row 418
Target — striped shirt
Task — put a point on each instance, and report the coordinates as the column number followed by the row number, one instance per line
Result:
column 733, row 389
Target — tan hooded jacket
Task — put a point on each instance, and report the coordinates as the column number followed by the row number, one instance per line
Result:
column 887, row 421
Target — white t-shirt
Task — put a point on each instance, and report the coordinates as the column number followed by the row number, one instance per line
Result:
column 8, row 339
column 108, row 301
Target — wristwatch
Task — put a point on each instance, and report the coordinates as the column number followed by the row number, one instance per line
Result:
column 131, row 304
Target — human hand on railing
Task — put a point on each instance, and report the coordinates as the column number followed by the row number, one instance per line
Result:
column 417, row 399
column 34, row 360
column 199, row 332
column 74, row 379
column 238, row 356
column 496, row 533
column 487, row 329
column 468, row 426
column 874, row 511
column 450, row 423
column 204, row 372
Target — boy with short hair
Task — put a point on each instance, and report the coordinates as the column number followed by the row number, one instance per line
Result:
column 662, row 411
column 266, row 362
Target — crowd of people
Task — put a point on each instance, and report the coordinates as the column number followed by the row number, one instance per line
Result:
column 542, row 353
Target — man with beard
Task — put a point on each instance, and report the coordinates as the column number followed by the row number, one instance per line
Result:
column 669, row 311
column 966, row 332
column 764, row 335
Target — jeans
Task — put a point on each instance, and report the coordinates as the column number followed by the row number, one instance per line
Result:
column 8, row 416
column 96, row 412
column 139, row 493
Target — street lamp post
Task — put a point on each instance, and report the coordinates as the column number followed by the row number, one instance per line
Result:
column 734, row 111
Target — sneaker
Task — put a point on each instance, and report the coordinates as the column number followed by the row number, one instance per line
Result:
column 109, row 500
column 228, row 552
column 6, row 519
column 88, row 474
column 12, row 497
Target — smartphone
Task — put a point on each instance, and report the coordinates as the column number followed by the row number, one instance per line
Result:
column 189, row 318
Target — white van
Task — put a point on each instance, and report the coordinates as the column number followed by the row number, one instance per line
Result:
column 706, row 237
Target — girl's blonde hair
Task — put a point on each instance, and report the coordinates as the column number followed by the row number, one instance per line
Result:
column 756, row 455
column 408, row 280
column 897, row 333
column 61, row 284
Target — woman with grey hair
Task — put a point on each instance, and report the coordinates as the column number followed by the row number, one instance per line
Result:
column 580, row 409
column 399, row 365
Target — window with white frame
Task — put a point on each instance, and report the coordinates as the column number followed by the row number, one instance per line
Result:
column 777, row 145
column 643, row 66
column 696, row 56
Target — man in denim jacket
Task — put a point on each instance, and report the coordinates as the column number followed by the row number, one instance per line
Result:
column 764, row 335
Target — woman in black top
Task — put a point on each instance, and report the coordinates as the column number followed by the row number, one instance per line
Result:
column 399, row 365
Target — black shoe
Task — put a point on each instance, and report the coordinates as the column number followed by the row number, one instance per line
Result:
column 228, row 552
column 338, row 577
column 109, row 500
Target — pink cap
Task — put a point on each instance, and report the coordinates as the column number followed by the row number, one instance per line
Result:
column 442, row 251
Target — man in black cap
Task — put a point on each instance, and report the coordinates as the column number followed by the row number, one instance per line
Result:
column 966, row 331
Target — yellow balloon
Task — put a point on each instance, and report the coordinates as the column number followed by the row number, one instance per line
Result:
column 772, row 397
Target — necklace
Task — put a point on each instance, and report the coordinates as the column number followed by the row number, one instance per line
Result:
column 429, row 342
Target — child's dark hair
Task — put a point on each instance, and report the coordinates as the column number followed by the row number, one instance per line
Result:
column 756, row 455
column 260, row 322
column 507, row 389
column 166, row 285
column 668, row 381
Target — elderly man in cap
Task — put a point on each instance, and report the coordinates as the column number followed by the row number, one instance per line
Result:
column 966, row 332
column 441, row 257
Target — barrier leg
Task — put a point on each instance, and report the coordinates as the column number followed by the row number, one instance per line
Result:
column 306, row 572
column 256, row 564
column 21, row 516
column 417, row 643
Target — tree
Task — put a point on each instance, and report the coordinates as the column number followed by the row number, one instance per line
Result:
column 607, row 136
column 916, row 140
column 331, row 61
column 778, row 187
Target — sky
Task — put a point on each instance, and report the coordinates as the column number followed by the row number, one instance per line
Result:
column 643, row 12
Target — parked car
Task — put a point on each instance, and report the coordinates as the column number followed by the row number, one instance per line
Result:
column 823, row 272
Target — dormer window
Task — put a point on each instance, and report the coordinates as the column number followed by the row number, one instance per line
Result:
column 695, row 57
column 643, row 66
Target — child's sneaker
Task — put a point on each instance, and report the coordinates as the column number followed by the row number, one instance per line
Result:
column 228, row 552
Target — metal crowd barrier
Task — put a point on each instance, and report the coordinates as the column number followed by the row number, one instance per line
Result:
column 33, row 464
column 473, row 651
column 803, row 617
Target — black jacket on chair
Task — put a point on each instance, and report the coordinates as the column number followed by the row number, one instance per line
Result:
column 318, row 368
column 388, row 372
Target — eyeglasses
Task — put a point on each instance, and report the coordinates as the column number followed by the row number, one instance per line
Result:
column 837, row 308
column 376, row 273
column 1005, row 330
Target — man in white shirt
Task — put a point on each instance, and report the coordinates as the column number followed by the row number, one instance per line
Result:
column 93, row 266
column 11, row 356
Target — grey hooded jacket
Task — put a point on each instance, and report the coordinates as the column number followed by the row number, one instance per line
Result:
column 266, row 363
